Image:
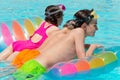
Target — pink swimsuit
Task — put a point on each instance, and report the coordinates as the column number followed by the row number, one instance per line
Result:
column 28, row 44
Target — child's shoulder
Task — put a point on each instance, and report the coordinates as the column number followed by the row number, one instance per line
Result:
column 77, row 31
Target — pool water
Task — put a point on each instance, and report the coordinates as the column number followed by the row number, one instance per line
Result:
column 108, row 21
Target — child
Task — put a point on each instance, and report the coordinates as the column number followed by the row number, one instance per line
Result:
column 53, row 18
column 61, row 45
column 82, row 14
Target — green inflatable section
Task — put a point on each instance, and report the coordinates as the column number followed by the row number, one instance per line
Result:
column 107, row 56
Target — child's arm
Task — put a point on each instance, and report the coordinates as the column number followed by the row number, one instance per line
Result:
column 92, row 48
column 79, row 43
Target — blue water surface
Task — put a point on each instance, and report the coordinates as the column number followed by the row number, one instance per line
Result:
column 108, row 21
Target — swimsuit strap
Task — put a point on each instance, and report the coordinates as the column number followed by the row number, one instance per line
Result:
column 49, row 26
column 43, row 24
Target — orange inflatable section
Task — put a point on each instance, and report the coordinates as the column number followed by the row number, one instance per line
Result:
column 24, row 56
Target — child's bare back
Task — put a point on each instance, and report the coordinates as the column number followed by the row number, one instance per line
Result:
column 63, row 48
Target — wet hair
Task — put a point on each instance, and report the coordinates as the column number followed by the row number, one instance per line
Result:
column 72, row 24
column 52, row 13
column 83, row 16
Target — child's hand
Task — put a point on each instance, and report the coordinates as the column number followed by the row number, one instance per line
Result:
column 92, row 48
column 96, row 46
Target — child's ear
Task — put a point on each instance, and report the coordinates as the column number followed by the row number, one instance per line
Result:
column 83, row 25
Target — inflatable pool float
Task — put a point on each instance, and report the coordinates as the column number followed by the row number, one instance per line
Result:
column 100, row 63
column 13, row 32
column 17, row 31
column 97, row 64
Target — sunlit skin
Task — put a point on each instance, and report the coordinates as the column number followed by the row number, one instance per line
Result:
column 73, row 41
column 8, row 53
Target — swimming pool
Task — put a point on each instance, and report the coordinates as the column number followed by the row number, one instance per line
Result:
column 108, row 22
